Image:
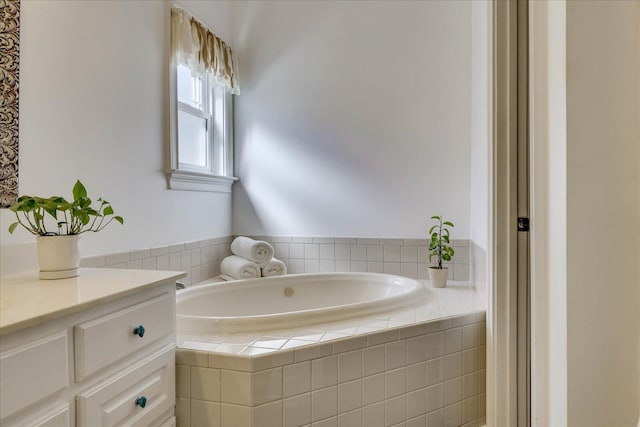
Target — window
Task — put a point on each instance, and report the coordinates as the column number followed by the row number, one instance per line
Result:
column 201, row 141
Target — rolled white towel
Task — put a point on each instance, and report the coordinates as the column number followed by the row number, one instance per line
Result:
column 255, row 250
column 275, row 267
column 240, row 268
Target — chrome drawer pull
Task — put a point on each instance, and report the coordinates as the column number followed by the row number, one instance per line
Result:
column 141, row 401
column 139, row 331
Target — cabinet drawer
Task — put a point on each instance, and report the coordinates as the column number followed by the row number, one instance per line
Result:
column 107, row 339
column 117, row 401
column 32, row 372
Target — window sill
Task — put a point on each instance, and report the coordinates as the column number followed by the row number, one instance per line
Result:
column 190, row 181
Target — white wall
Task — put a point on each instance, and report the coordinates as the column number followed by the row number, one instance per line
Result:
column 481, row 134
column 586, row 271
column 354, row 117
column 93, row 94
column 603, row 212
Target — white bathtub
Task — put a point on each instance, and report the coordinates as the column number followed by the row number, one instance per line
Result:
column 292, row 301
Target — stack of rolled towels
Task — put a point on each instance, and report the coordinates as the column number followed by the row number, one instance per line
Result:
column 251, row 259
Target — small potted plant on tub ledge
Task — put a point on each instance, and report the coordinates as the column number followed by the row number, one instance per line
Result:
column 58, row 225
column 439, row 247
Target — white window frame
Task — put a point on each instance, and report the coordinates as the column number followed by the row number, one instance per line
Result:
column 218, row 176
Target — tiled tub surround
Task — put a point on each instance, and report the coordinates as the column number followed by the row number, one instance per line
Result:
column 201, row 259
column 405, row 257
column 423, row 366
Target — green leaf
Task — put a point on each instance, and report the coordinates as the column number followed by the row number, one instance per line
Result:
column 436, row 217
column 432, row 228
column 119, row 219
column 446, row 257
column 79, row 191
column 449, row 223
column 108, row 210
column 13, row 226
column 446, row 238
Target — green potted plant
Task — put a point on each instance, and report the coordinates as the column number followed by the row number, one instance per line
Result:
column 439, row 247
column 58, row 225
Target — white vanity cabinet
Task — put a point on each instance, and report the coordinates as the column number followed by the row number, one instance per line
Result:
column 95, row 350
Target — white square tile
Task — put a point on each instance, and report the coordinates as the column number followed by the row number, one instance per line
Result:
column 327, row 266
column 296, row 266
column 324, row 372
column 282, row 250
column 469, row 361
column 395, row 354
column 452, row 340
column 452, row 366
column 409, row 269
column 296, row 250
column 267, row 386
column 452, row 391
column 297, row 410
column 360, row 266
column 373, row 389
column 409, row 253
column 392, row 253
column 311, row 251
column 470, row 385
column 373, row 360
column 435, row 371
column 342, row 252
column 236, row 387
column 375, row 266
column 395, row 410
column 416, row 376
column 373, row 415
column 470, row 336
column 267, row 415
column 358, row 253
column 482, row 405
column 349, row 396
column 205, row 413
column 296, row 378
column 416, row 349
column 183, row 381
column 162, row 262
column 343, row 266
column 350, row 419
column 349, row 366
column 416, row 403
column 311, row 266
column 327, row 251
column 392, row 268
column 436, row 418
column 482, row 333
column 375, row 253
column 469, row 410
column 232, row 416
column 435, row 397
column 453, row 415
column 324, row 403
column 183, row 411
column 205, row 383
column 395, row 382
column 435, row 345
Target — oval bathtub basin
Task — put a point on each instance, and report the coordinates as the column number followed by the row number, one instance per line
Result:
column 292, row 301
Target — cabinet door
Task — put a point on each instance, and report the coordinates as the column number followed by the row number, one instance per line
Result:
column 136, row 397
column 105, row 340
column 32, row 372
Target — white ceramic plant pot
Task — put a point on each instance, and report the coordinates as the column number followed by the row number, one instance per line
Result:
column 58, row 256
column 438, row 276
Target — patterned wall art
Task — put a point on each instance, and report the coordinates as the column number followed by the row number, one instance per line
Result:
column 9, row 76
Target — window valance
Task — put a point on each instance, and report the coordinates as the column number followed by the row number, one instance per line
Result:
column 198, row 48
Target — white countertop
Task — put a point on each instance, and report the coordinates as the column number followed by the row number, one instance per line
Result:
column 26, row 300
